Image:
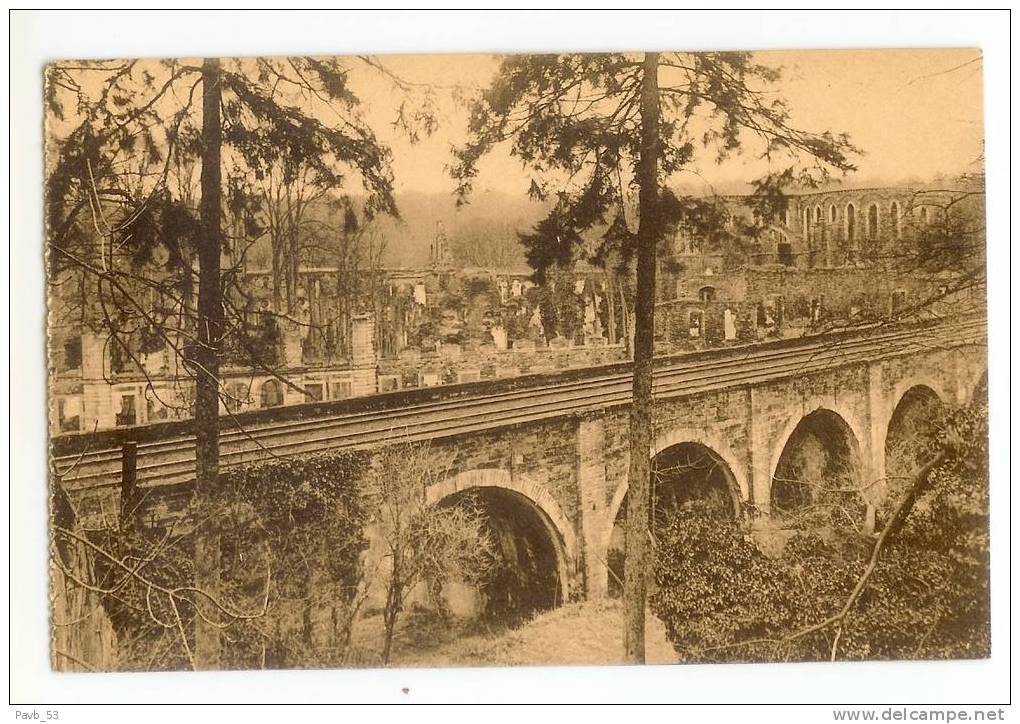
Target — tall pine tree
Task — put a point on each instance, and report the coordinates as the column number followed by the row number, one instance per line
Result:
column 124, row 137
column 595, row 127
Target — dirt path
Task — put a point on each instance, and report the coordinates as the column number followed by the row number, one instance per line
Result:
column 577, row 634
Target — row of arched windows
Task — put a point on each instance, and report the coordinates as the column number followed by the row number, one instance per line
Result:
column 814, row 217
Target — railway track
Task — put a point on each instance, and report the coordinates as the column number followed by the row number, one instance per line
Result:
column 171, row 461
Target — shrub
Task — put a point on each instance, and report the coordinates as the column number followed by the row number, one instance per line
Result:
column 722, row 599
column 715, row 588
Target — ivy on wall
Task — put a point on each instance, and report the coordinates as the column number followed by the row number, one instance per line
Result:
column 290, row 534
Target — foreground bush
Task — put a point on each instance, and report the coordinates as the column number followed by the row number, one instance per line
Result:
column 287, row 537
column 926, row 595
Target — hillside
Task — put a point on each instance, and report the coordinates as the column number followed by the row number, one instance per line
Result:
column 481, row 233
column 492, row 216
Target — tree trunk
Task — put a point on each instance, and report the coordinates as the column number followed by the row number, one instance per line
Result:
column 625, row 336
column 393, row 596
column 277, row 274
column 207, row 355
column 293, row 270
column 611, row 308
column 634, row 587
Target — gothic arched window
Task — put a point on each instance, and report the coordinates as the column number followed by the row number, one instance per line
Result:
column 873, row 221
column 271, row 394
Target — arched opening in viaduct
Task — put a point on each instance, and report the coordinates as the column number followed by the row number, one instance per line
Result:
column 819, row 471
column 909, row 438
column 686, row 475
column 529, row 566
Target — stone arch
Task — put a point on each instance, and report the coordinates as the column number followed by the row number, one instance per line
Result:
column 923, row 379
column 894, row 216
column 558, row 527
column 915, row 413
column 707, row 293
column 834, row 431
column 712, row 442
column 734, row 472
column 924, row 384
column 810, row 404
column 679, row 436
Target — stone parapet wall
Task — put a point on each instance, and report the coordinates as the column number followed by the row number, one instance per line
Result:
column 412, row 366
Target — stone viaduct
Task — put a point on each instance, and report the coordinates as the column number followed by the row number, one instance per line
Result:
column 550, row 452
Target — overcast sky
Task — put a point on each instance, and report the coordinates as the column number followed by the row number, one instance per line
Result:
column 915, row 113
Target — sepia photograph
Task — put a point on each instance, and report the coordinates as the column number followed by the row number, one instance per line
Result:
column 518, row 359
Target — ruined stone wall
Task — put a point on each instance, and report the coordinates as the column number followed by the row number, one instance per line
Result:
column 674, row 326
column 491, row 363
column 727, row 285
column 869, row 290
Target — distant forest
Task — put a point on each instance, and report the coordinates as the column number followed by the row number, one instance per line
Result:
column 484, row 232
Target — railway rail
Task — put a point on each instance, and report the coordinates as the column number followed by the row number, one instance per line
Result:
column 171, row 460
